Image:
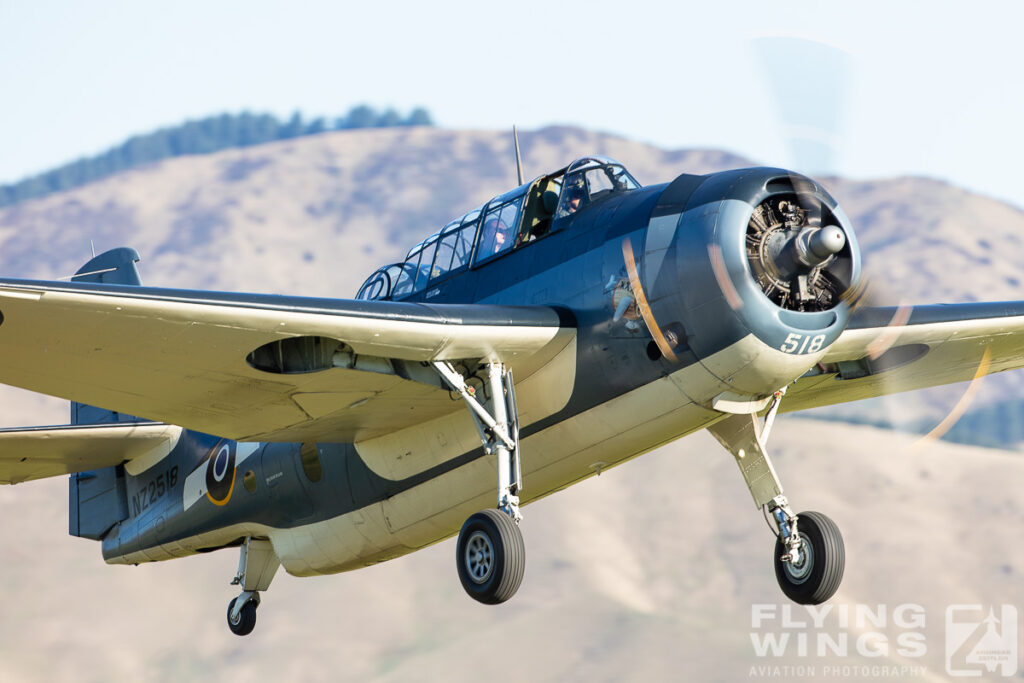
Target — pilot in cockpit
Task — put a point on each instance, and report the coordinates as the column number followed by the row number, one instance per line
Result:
column 574, row 195
column 591, row 179
column 496, row 236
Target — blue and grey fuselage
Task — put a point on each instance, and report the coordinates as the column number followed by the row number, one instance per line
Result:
column 684, row 297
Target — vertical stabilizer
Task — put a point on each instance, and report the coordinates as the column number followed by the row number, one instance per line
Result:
column 114, row 267
column 97, row 499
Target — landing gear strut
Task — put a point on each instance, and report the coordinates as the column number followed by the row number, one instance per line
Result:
column 490, row 555
column 257, row 565
column 809, row 552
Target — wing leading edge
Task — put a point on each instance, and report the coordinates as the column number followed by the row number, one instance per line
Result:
column 889, row 350
column 331, row 369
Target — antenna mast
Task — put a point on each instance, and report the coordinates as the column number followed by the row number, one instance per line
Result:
column 519, row 160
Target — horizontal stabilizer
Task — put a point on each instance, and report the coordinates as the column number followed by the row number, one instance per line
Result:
column 37, row 452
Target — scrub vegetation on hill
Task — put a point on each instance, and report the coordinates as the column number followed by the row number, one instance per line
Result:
column 201, row 136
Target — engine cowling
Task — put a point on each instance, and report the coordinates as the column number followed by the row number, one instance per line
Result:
column 751, row 274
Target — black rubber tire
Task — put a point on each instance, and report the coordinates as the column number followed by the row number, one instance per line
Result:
column 246, row 618
column 501, row 537
column 827, row 557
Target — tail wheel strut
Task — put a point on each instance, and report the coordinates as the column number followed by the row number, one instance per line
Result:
column 257, row 564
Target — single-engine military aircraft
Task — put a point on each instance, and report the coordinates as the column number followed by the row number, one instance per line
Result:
column 563, row 327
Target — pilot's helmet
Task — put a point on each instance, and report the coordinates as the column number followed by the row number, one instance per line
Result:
column 498, row 231
column 495, row 225
column 574, row 195
column 575, row 186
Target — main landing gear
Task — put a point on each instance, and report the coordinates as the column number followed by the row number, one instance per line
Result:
column 490, row 555
column 809, row 552
column 257, row 565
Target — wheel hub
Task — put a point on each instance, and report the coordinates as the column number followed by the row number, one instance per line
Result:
column 479, row 557
column 799, row 568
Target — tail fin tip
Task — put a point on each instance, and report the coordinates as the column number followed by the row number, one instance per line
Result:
column 114, row 267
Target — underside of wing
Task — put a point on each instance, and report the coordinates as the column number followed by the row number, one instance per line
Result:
column 889, row 350
column 39, row 452
column 258, row 367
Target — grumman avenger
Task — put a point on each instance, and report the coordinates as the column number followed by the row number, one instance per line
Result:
column 562, row 328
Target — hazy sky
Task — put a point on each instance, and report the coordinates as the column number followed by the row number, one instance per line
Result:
column 930, row 88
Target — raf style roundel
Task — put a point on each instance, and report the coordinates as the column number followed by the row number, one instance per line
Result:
column 220, row 472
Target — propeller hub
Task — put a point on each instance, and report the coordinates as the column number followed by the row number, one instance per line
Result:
column 814, row 246
column 827, row 241
column 793, row 246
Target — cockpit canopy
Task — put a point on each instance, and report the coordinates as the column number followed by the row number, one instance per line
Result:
column 591, row 178
column 509, row 221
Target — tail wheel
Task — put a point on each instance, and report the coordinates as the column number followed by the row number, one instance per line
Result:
column 246, row 620
column 815, row 576
column 490, row 557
